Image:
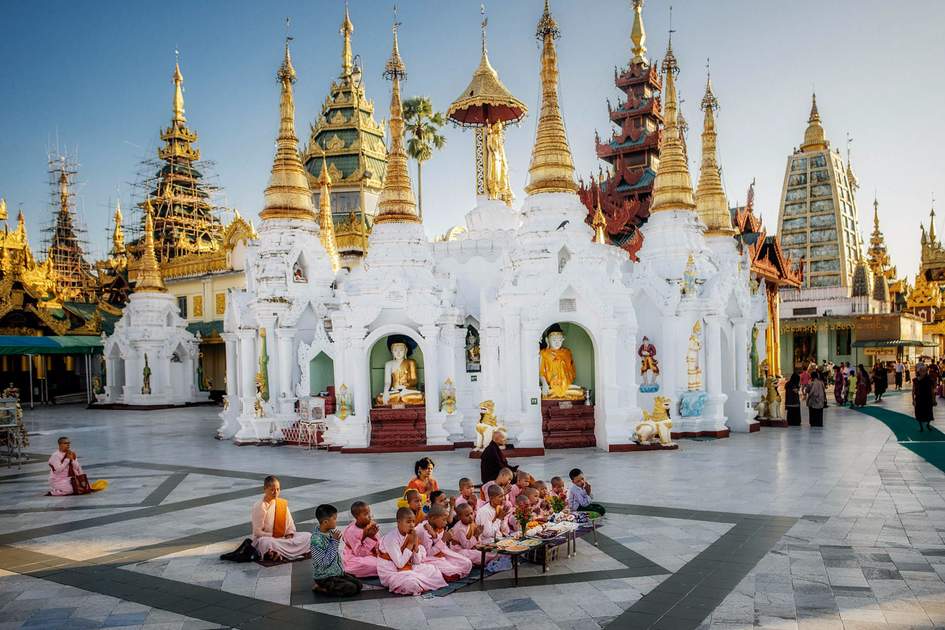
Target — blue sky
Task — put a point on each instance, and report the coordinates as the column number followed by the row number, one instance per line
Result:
column 97, row 76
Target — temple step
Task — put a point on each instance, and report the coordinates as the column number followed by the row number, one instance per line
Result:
column 398, row 428
column 567, row 425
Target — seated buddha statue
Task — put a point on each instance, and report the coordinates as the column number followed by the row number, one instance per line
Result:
column 556, row 369
column 400, row 376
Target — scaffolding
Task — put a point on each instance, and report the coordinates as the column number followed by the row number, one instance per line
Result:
column 64, row 241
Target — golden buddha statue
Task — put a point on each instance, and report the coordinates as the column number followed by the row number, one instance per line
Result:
column 400, row 376
column 556, row 369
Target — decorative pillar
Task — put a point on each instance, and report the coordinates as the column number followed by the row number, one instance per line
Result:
column 713, row 356
column 740, row 333
column 232, row 372
column 247, row 357
column 436, row 432
column 773, row 333
column 285, row 359
column 530, row 434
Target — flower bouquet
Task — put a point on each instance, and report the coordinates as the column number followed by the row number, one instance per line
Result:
column 557, row 504
column 523, row 515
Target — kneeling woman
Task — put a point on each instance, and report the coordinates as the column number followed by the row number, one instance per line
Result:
column 274, row 535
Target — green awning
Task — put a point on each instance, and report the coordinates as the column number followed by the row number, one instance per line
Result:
column 206, row 329
column 25, row 344
column 894, row 343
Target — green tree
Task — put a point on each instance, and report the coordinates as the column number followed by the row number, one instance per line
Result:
column 423, row 136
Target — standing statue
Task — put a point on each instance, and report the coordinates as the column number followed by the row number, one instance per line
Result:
column 146, row 377
column 487, row 425
column 692, row 358
column 344, row 402
column 497, row 166
column 448, row 397
column 556, row 369
column 262, row 376
column 258, row 405
column 757, row 378
column 400, row 375
column 689, row 277
column 472, row 350
column 649, row 366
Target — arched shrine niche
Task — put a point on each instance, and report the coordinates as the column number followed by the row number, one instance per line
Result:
column 566, row 374
column 396, row 364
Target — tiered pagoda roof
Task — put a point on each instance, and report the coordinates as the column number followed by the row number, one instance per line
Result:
column 72, row 272
column 633, row 150
column 768, row 260
column 352, row 143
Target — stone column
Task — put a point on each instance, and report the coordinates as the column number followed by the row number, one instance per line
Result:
column 740, row 333
column 823, row 342
column 713, row 356
column 285, row 358
column 530, row 434
column 232, row 371
column 436, row 432
column 247, row 360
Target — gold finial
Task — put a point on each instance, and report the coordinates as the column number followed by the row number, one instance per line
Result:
column 875, row 212
column 396, row 203
column 63, row 189
column 3, row 209
column 287, row 196
column 552, row 168
column 672, row 188
column 177, row 107
column 711, row 203
column 932, row 222
column 149, row 273
column 814, row 137
column 118, row 235
column 482, row 25
column 638, row 34
column 326, row 224
column 347, row 63
column 600, row 225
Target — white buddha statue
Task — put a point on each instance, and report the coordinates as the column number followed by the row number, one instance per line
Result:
column 400, row 376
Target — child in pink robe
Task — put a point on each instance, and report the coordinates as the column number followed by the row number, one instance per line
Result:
column 464, row 536
column 492, row 518
column 60, row 481
column 522, row 480
column 435, row 538
column 402, row 561
column 467, row 495
column 359, row 555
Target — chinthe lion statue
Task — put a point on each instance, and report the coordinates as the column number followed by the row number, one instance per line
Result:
column 487, row 425
column 656, row 425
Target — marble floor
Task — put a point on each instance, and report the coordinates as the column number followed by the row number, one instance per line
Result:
column 787, row 528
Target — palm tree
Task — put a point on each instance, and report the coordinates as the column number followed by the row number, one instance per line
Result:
column 423, row 136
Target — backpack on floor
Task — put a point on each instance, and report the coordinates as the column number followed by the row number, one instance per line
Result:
column 244, row 553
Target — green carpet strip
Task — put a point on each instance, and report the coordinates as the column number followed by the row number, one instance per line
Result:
column 929, row 445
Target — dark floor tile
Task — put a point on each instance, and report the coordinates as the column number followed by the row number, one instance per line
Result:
column 523, row 604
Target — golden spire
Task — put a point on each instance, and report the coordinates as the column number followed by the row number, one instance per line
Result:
column 396, row 203
column 63, row 191
column 347, row 62
column 637, row 34
column 3, row 209
column 932, row 223
column 600, row 225
column 287, row 196
column 711, row 203
column 118, row 236
column 814, row 138
column 326, row 232
column 552, row 169
column 672, row 188
column 149, row 274
column 178, row 105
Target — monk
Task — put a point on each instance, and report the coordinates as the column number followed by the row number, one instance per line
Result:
column 464, row 536
column 402, row 561
column 274, row 535
column 63, row 464
column 359, row 556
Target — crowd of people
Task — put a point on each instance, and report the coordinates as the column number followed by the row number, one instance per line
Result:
column 434, row 540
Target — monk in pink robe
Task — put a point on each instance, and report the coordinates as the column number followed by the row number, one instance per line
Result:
column 274, row 535
column 359, row 555
column 401, row 561
column 464, row 535
column 467, row 495
column 492, row 518
column 435, row 538
column 60, row 462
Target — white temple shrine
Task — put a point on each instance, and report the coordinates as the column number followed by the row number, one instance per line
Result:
column 151, row 357
column 530, row 308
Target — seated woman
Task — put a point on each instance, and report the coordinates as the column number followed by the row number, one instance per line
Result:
column 402, row 561
column 400, row 375
column 423, row 481
column 274, row 535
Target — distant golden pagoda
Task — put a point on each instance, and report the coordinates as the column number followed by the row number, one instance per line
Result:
column 672, row 188
column 711, row 203
column 552, row 168
column 149, row 274
column 287, row 195
column 352, row 143
column 397, row 203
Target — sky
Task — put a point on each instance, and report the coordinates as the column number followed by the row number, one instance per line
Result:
column 94, row 79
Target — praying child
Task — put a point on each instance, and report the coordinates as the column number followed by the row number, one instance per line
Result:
column 359, row 556
column 435, row 538
column 504, row 482
column 401, row 561
column 558, row 489
column 492, row 518
column 521, row 501
column 465, row 535
column 415, row 503
column 467, row 495
column 535, row 505
column 328, row 574
column 438, row 497
column 579, row 495
column 522, row 480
